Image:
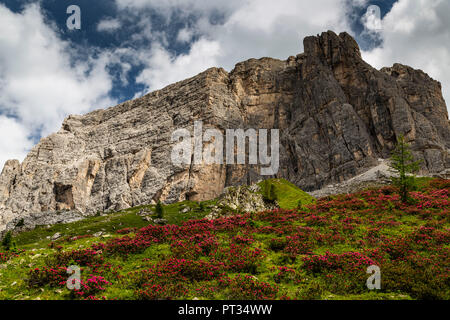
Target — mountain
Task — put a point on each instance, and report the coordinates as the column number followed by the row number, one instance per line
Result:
column 335, row 113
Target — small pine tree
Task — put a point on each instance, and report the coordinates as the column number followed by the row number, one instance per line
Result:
column 159, row 210
column 272, row 193
column 403, row 164
column 7, row 241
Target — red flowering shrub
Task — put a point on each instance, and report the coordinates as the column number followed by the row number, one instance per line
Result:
column 53, row 277
column 296, row 244
column 124, row 246
column 398, row 248
column 189, row 269
column 313, row 220
column 75, row 238
column 90, row 287
column 84, row 257
column 286, row 275
column 186, row 249
column 167, row 291
column 440, row 184
column 348, row 262
column 193, row 246
column 242, row 239
column 177, row 270
column 278, row 244
column 239, row 258
column 5, row 256
column 156, row 233
column 277, row 217
column 126, row 230
column 428, row 237
column 248, row 288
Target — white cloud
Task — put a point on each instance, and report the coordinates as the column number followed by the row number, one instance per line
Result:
column 248, row 29
column 108, row 25
column 14, row 143
column 185, row 35
column 358, row 3
column 371, row 20
column 417, row 33
column 39, row 82
column 167, row 7
column 161, row 66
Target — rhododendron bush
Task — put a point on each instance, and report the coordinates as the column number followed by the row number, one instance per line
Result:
column 319, row 251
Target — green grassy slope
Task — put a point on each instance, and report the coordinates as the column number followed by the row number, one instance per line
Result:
column 288, row 195
column 319, row 251
column 112, row 222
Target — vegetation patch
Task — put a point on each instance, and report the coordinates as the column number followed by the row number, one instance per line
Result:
column 286, row 194
column 320, row 250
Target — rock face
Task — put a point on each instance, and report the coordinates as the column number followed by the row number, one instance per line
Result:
column 336, row 115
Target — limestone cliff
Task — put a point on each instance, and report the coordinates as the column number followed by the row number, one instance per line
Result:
column 336, row 114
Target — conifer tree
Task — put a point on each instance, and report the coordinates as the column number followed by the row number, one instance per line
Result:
column 159, row 210
column 7, row 241
column 404, row 167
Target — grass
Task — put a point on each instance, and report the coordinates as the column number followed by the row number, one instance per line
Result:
column 288, row 195
column 110, row 223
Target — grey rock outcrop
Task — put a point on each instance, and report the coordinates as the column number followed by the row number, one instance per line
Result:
column 336, row 114
column 375, row 177
column 240, row 199
column 39, row 219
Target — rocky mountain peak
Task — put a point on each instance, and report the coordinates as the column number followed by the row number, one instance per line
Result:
column 336, row 116
column 332, row 48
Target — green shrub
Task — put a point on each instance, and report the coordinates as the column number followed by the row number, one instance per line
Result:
column 421, row 283
column 159, row 210
column 7, row 241
column 312, row 291
column 20, row 223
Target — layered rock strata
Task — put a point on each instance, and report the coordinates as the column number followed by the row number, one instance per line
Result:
column 335, row 113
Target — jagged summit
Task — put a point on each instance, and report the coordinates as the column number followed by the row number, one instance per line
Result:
column 336, row 114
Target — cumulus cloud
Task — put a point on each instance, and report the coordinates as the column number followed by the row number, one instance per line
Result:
column 108, row 25
column 417, row 33
column 40, row 82
column 43, row 79
column 414, row 32
column 372, row 19
column 168, row 7
column 185, row 35
column 14, row 143
column 163, row 68
column 246, row 29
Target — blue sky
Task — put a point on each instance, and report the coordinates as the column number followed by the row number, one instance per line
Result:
column 126, row 48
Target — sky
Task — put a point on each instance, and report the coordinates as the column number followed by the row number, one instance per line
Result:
column 127, row 48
